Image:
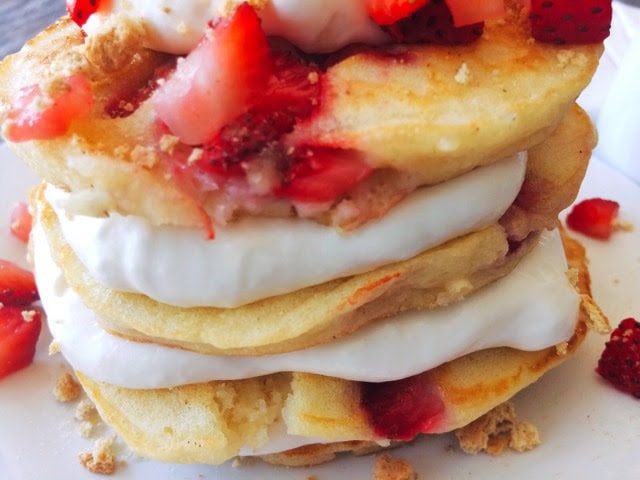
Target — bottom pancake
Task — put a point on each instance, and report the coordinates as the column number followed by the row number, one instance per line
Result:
column 215, row 421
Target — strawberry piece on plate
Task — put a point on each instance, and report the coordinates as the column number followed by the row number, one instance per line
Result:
column 36, row 115
column 620, row 360
column 570, row 21
column 17, row 285
column 220, row 79
column 19, row 331
column 81, row 10
column 594, row 217
column 21, row 221
column 401, row 409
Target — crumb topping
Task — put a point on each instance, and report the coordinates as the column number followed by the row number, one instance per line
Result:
column 67, row 389
column 101, row 459
column 390, row 468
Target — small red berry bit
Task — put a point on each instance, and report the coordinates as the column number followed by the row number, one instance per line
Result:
column 594, row 217
column 17, row 285
column 570, row 21
column 402, row 409
column 81, row 10
column 19, row 331
column 21, row 221
column 620, row 360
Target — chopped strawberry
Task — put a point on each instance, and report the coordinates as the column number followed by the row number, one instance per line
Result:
column 21, row 221
column 434, row 23
column 465, row 12
column 386, row 12
column 570, row 21
column 81, row 10
column 401, row 409
column 594, row 217
column 290, row 94
column 19, row 331
column 323, row 174
column 35, row 115
column 620, row 360
column 17, row 285
column 220, row 79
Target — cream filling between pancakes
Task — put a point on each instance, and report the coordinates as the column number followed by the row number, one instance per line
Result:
column 255, row 258
column 532, row 308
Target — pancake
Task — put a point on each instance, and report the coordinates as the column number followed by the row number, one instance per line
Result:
column 327, row 311
column 211, row 422
column 401, row 106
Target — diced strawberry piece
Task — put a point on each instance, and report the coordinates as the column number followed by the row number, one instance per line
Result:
column 17, row 285
column 81, row 10
column 433, row 23
column 620, row 360
column 21, row 221
column 35, row 115
column 323, row 174
column 401, row 409
column 386, row 12
column 291, row 93
column 223, row 77
column 465, row 12
column 594, row 217
column 19, row 331
column 570, row 21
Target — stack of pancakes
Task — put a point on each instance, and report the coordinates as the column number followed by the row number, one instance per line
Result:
column 443, row 115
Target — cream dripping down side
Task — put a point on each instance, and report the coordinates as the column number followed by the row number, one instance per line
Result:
column 315, row 26
column 532, row 308
column 256, row 258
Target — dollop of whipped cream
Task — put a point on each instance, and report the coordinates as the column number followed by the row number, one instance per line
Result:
column 255, row 258
column 315, row 26
column 531, row 308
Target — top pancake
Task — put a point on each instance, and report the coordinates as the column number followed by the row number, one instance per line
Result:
column 431, row 110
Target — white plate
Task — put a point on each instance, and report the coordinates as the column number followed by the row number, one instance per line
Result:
column 588, row 428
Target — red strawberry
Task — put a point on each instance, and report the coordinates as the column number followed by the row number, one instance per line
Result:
column 223, row 77
column 570, row 21
column 401, row 409
column 21, row 221
column 19, row 331
column 386, row 12
column 81, row 10
column 323, row 174
column 35, row 115
column 433, row 23
column 290, row 94
column 17, row 285
column 594, row 217
column 620, row 360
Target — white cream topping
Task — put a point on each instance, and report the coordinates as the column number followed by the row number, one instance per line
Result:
column 531, row 308
column 255, row 258
column 315, row 26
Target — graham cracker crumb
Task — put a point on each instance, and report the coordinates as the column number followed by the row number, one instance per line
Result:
column 497, row 430
column 54, row 347
column 67, row 388
column 101, row 459
column 86, row 410
column 390, row 468
column 596, row 319
column 144, row 157
column 168, row 143
column 28, row 315
column 462, row 75
column 85, row 429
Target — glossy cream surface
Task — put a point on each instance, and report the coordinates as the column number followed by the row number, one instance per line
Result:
column 531, row 308
column 255, row 258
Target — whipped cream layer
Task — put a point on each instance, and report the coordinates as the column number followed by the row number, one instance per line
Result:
column 532, row 308
column 254, row 258
column 315, row 26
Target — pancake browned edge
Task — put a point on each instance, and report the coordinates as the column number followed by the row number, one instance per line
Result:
column 224, row 416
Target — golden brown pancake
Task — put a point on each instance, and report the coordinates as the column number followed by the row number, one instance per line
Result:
column 210, row 422
column 406, row 107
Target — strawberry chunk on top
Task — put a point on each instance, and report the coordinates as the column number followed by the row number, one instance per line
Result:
column 36, row 115
column 220, row 79
column 570, row 21
column 81, row 10
column 386, row 12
